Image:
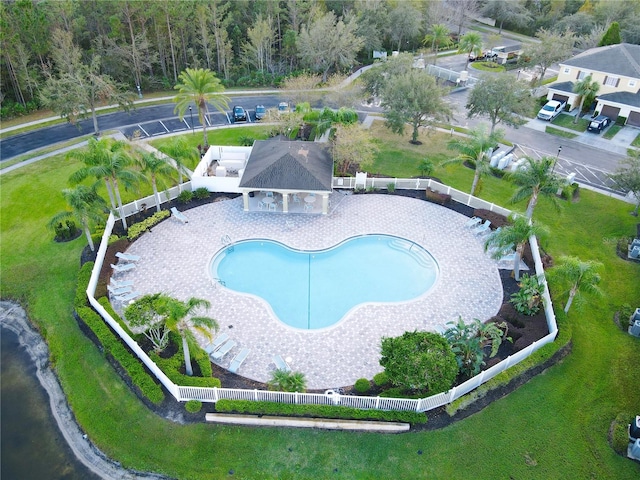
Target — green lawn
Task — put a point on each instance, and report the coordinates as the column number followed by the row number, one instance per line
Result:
column 555, row 426
column 611, row 131
column 566, row 121
column 636, row 141
column 559, row 133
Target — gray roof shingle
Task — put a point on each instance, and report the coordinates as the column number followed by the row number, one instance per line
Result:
column 622, row 59
column 562, row 86
column 275, row 165
column 625, row 98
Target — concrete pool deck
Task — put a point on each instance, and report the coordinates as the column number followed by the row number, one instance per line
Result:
column 175, row 260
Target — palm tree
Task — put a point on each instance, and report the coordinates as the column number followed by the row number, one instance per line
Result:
column 577, row 276
column 470, row 42
column 534, row 179
column 200, row 86
column 439, row 36
column 86, row 207
column 285, row 381
column 176, row 313
column 107, row 160
column 157, row 168
column 587, row 89
column 182, row 154
column 518, row 233
column 477, row 148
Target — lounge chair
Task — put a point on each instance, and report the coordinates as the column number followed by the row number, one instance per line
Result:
column 127, row 296
column 217, row 342
column 123, row 268
column 223, row 350
column 238, row 359
column 128, row 257
column 281, row 364
column 480, row 229
column 119, row 290
column 123, row 283
column 472, row 222
column 179, row 215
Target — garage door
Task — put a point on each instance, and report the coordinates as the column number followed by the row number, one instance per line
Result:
column 611, row 112
column 634, row 119
column 560, row 98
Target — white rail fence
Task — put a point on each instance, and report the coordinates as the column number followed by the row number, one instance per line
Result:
column 203, row 394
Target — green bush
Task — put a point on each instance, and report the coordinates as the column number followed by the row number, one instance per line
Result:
column 112, row 344
column 621, row 120
column 381, row 379
column 391, row 187
column 66, row 230
column 139, row 228
column 201, row 193
column 171, row 368
column 570, row 191
column 320, row 411
column 528, row 299
column 620, row 433
column 362, row 385
column 246, row 141
column 193, row 406
column 185, row 196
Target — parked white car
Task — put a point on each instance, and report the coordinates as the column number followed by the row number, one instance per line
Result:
column 551, row 110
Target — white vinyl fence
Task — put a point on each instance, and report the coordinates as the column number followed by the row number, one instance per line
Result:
column 184, row 393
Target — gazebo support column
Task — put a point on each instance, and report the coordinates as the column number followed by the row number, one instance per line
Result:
column 245, row 200
column 285, row 203
column 325, row 204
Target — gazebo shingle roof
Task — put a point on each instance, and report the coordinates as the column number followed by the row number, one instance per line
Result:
column 276, row 165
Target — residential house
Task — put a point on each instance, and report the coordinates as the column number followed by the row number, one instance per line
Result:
column 616, row 68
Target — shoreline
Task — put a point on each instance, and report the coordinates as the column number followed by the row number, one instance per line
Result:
column 14, row 318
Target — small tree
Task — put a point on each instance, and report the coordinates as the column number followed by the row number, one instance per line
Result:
column 352, row 145
column 421, row 361
column 536, row 178
column 143, row 314
column 576, row 277
column 611, row 36
column 158, row 169
column 439, row 37
column 470, row 42
column 528, row 299
column 627, row 177
column 587, row 89
column 552, row 48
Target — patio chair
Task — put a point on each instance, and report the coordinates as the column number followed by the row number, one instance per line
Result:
column 238, row 359
column 480, row 229
column 119, row 290
column 123, row 268
column 272, row 206
column 128, row 257
column 217, row 342
column 223, row 350
column 472, row 222
column 308, row 207
column 296, row 198
column 281, row 364
column 179, row 215
column 128, row 296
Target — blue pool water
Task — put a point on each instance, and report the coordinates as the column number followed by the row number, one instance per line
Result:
column 315, row 289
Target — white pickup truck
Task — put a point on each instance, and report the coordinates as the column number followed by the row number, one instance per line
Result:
column 551, row 110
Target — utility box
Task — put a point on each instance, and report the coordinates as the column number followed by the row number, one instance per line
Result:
column 634, row 429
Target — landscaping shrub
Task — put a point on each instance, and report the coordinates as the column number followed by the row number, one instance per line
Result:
column 621, row 120
column 66, row 230
column 528, row 299
column 245, row 141
column 436, row 197
column 570, row 192
column 139, row 228
column 201, row 193
column 619, row 433
column 111, row 343
column 321, row 411
column 185, row 196
column 171, row 367
column 391, row 187
column 381, row 379
column 362, row 385
column 193, row 406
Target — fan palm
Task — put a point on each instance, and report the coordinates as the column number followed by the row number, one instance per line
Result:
column 157, row 169
column 477, row 148
column 587, row 88
column 202, row 87
column 182, row 154
column 176, row 313
column 576, row 276
column 86, row 207
column 439, row 37
column 109, row 161
column 470, row 42
column 536, row 178
column 518, row 233
column 285, row 381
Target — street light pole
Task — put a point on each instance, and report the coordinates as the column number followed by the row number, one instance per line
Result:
column 556, row 160
column 191, row 115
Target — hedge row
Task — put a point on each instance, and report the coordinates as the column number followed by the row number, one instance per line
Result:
column 502, row 379
column 171, row 367
column 139, row 228
column 111, row 343
column 322, row 411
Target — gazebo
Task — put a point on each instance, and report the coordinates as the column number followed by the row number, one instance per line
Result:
column 288, row 168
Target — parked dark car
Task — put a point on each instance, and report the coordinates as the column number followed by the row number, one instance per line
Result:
column 260, row 112
column 239, row 114
column 599, row 123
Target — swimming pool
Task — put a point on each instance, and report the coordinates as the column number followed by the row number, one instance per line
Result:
column 316, row 289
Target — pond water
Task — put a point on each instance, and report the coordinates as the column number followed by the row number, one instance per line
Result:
column 32, row 445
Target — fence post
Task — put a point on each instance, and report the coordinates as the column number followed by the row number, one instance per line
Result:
column 452, row 396
column 377, row 402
